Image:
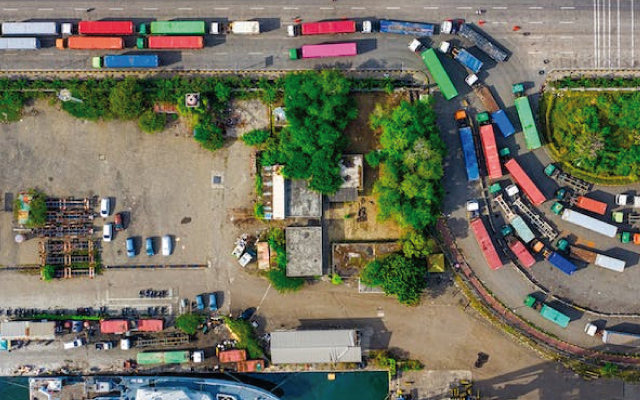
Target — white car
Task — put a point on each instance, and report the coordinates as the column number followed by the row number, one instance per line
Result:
column 107, row 232
column 105, row 207
column 78, row 342
column 167, row 246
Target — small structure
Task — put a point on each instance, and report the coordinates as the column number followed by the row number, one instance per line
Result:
column 165, row 108
column 27, row 330
column 231, row 356
column 302, row 202
column 304, row 251
column 312, row 347
column 352, row 173
column 279, row 116
column 117, row 326
column 435, row 263
column 150, row 325
column 192, row 100
column 264, row 255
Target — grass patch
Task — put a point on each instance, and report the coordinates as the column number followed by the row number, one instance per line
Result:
column 277, row 275
column 246, row 335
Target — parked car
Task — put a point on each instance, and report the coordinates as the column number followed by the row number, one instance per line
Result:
column 104, row 346
column 248, row 313
column 131, row 248
column 149, row 247
column 78, row 342
column 213, row 303
column 200, row 302
column 107, row 232
column 167, row 246
column 76, row 326
column 105, row 207
column 117, row 220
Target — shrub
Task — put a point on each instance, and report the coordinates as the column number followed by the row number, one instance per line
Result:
column 151, row 122
column 246, row 337
column 188, row 323
column 48, row 272
column 11, row 104
column 209, row 134
column 126, row 99
column 255, row 137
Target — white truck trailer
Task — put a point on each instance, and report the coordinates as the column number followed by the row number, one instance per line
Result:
column 29, row 29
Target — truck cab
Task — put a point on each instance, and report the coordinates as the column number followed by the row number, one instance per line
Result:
column 473, row 209
column 415, row 45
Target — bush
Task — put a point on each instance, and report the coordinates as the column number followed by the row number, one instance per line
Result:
column 126, row 99
column 209, row 134
column 188, row 323
column 258, row 210
column 397, row 275
column 11, row 104
column 277, row 275
column 255, row 137
column 151, row 122
column 48, row 272
column 246, row 335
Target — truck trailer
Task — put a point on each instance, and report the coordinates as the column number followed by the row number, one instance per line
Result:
column 522, row 179
column 483, row 43
column 486, row 98
column 324, row 50
column 531, row 136
column 19, row 43
column 29, row 28
column 173, row 28
column 106, row 28
column 485, row 243
column 327, row 27
column 547, row 312
column 406, row 28
column 594, row 206
column 613, row 337
column 126, row 61
column 491, row 157
column 244, row 27
column 562, row 263
column 468, row 145
column 90, row 43
column 521, row 252
column 505, row 126
column 597, row 259
column 439, row 74
column 171, row 42
column 468, row 60
column 585, row 221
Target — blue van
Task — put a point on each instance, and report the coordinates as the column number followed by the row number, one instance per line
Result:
column 149, row 246
column 200, row 302
column 213, row 304
column 131, row 248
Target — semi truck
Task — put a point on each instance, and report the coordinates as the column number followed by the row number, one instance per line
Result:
column 491, row 157
column 521, row 252
column 468, row 145
column 173, row 28
column 579, row 186
column 531, row 136
column 588, row 204
column 439, row 74
column 484, row 94
column 164, row 357
column 522, row 179
column 29, row 28
column 613, row 337
column 19, row 43
column 106, row 28
column 170, row 42
column 126, row 61
column 323, row 28
column 600, row 260
column 562, row 263
column 90, row 43
column 406, row 28
column 468, row 60
column 547, row 312
column 324, row 50
column 244, row 27
column 485, row 243
column 505, row 126
column 584, row 221
column 483, row 43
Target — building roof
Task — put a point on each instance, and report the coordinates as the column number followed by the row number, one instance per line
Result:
column 114, row 326
column 278, row 196
column 264, row 255
column 150, row 325
column 304, row 251
column 327, row 346
column 32, row 330
column 301, row 201
column 351, row 171
column 229, row 356
column 435, row 263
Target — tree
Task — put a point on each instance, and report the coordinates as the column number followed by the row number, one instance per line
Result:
column 188, row 323
column 255, row 137
column 152, row 122
column 397, row 275
column 48, row 272
column 126, row 99
column 209, row 134
column 415, row 244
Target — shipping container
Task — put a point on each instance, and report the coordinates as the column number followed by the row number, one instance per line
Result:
column 491, row 157
column 163, row 357
column 171, row 42
column 484, row 241
column 329, row 50
column 562, row 263
column 175, row 28
column 117, row 326
column 483, row 43
column 621, row 338
column 106, row 28
column 600, row 260
column 522, row 229
column 244, row 27
column 521, row 252
column 29, row 28
column 486, row 97
column 505, row 126
column 328, row 27
column 522, row 179
column 406, row 28
column 590, row 223
column 525, row 115
column 90, row 43
column 126, row 61
column 439, row 74
column 594, row 206
column 555, row 316
column 469, row 153
column 19, row 43
column 150, row 325
column 467, row 60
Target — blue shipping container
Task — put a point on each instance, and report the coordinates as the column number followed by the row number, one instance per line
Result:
column 469, row 152
column 501, row 119
column 139, row 61
column 562, row 263
column 406, row 28
column 468, row 60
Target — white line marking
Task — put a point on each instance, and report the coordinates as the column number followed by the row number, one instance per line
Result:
column 499, row 8
column 9, row 9
column 185, row 8
column 256, row 8
column 220, row 8
column 536, row 37
column 567, row 8
column 534, row 52
column 51, row 9
column 358, row 8
column 255, row 53
column 536, row 22
column 326, row 8
column 150, row 8
column 393, row 8
column 535, row 8
column 289, row 8
column 116, row 9
column 431, row 8
column 498, row 22
column 463, row 8
column 566, row 22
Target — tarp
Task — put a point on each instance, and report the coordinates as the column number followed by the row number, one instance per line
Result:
column 436, row 263
column 32, row 330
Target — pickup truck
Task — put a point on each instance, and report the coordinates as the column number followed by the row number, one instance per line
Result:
column 78, row 342
column 104, row 346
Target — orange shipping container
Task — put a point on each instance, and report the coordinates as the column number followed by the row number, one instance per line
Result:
column 251, row 366
column 94, row 43
column 230, row 356
column 595, row 206
column 150, row 325
column 114, row 326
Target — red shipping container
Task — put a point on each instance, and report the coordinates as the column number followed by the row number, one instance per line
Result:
column 150, row 325
column 176, row 42
column 114, row 326
column 328, row 27
column 229, row 356
column 94, row 43
column 488, row 138
column 485, row 243
column 105, row 28
column 522, row 179
column 329, row 50
column 595, row 206
column 525, row 258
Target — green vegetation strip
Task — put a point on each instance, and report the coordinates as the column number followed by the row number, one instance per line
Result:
column 246, row 337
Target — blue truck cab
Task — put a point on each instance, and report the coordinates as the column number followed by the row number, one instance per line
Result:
column 213, row 303
column 200, row 302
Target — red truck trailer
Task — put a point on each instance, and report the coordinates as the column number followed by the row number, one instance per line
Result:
column 595, row 206
column 525, row 258
column 530, row 189
column 484, row 241
column 328, row 27
column 491, row 157
column 172, row 42
column 90, row 43
column 106, row 28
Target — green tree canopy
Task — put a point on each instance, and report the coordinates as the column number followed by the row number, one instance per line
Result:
column 255, row 137
column 398, row 276
column 126, row 99
column 188, row 323
column 152, row 122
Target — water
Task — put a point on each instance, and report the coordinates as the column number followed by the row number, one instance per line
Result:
column 290, row 386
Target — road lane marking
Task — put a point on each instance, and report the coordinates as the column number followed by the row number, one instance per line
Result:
column 393, row 8
column 289, row 8
column 535, row 37
column 255, row 53
column 536, row 22
column 499, row 8
column 566, row 22
column 326, row 8
column 357, row 8
column 9, row 9
column 116, row 9
column 185, row 8
column 463, row 8
column 535, row 8
column 150, row 8
column 256, row 8
column 498, row 22
column 51, row 9
column 220, row 8
column 567, row 8
column 431, row 8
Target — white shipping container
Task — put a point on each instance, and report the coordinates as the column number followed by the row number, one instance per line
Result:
column 611, row 263
column 588, row 222
column 245, row 27
column 29, row 43
column 29, row 28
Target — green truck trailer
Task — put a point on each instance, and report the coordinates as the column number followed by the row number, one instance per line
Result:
column 173, row 28
column 439, row 74
column 163, row 357
column 547, row 312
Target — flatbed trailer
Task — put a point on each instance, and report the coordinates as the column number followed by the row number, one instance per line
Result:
column 600, row 260
column 486, row 98
column 521, row 252
column 483, row 43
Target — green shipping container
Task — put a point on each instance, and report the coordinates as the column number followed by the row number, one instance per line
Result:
column 439, row 74
column 163, row 357
column 554, row 315
column 528, row 124
column 177, row 28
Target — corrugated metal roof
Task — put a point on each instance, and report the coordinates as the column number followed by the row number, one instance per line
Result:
column 299, row 347
column 278, row 198
column 33, row 330
column 150, row 325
